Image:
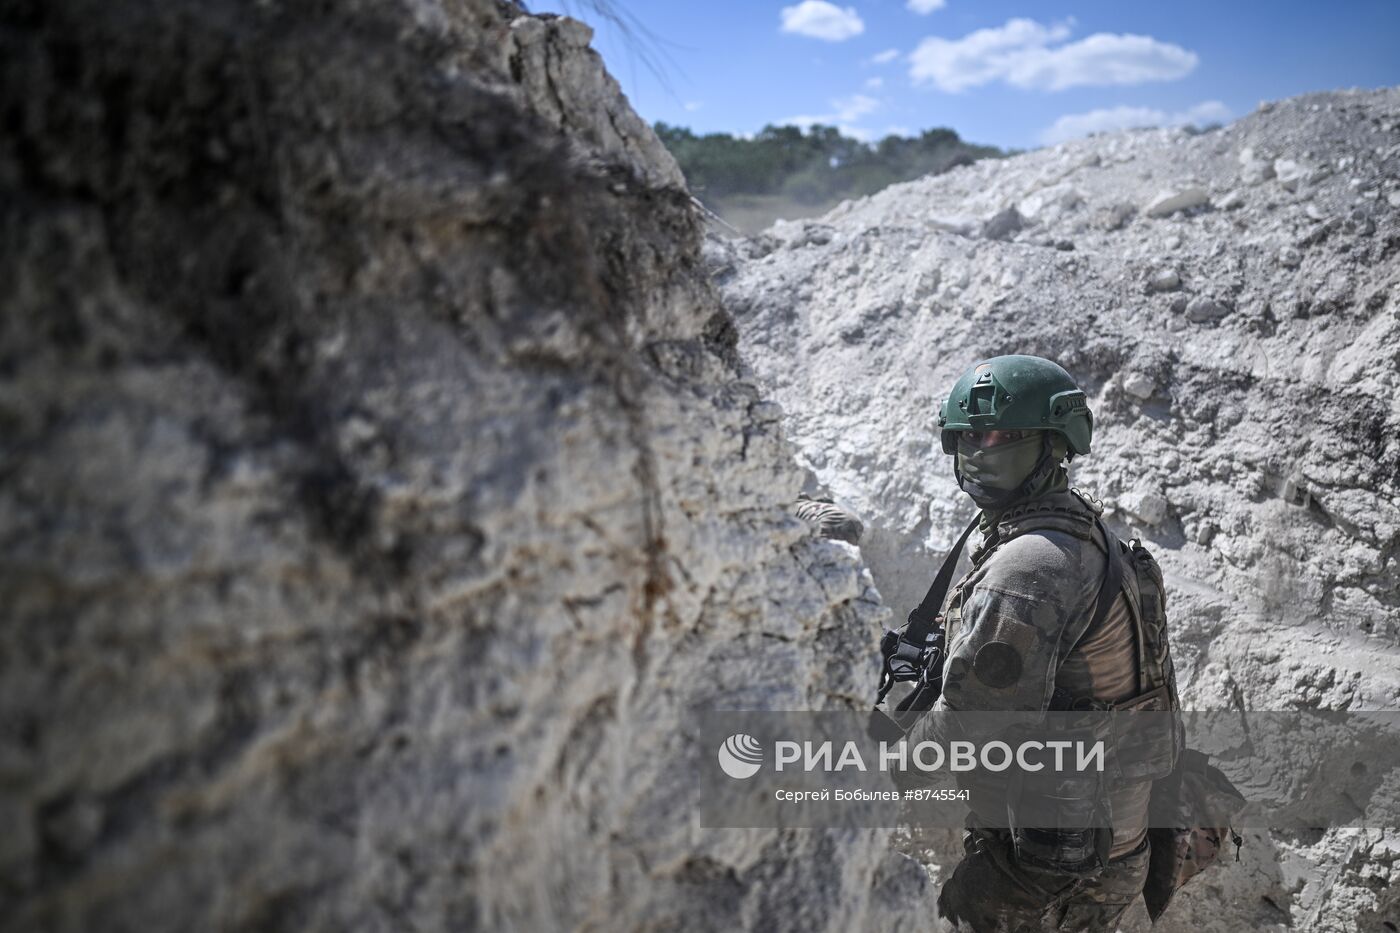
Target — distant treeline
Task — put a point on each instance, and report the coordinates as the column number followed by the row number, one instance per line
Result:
column 818, row 165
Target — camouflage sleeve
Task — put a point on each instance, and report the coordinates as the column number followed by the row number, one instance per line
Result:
column 829, row 519
column 1020, row 620
column 1005, row 657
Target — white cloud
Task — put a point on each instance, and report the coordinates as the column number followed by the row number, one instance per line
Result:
column 854, row 107
column 819, row 19
column 844, row 112
column 1104, row 58
column 981, row 56
column 897, row 130
column 924, row 7
column 1074, row 125
column 693, row 105
column 885, row 57
column 1025, row 54
column 874, row 83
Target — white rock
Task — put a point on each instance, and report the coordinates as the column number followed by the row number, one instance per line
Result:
column 959, row 226
column 1256, row 172
column 1139, row 385
column 1166, row 280
column 1290, row 173
column 1176, row 199
column 1148, row 505
column 1201, row 309
column 1054, row 199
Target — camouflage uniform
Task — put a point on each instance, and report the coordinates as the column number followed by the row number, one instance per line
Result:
column 1019, row 638
column 1025, row 631
column 829, row 519
column 990, row 890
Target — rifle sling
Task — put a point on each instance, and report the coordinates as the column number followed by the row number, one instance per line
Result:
column 923, row 618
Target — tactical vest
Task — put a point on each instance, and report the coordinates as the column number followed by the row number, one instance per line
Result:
column 1143, row 754
column 1133, row 570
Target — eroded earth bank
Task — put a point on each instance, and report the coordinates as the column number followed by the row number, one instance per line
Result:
column 385, row 482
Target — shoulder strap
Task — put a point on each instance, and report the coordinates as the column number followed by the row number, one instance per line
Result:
column 1108, row 592
column 1114, row 582
column 1131, row 586
column 923, row 617
column 1112, row 578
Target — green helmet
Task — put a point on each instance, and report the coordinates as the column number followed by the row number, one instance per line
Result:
column 1017, row 393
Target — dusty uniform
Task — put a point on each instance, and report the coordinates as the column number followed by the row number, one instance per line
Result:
column 1019, row 637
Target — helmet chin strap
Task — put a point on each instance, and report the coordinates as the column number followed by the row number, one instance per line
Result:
column 987, row 498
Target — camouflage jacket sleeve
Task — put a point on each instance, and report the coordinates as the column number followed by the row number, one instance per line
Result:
column 1020, row 614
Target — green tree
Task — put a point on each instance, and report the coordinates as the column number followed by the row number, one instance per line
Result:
column 813, row 165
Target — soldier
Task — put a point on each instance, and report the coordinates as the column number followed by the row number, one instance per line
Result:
column 1041, row 622
column 827, row 518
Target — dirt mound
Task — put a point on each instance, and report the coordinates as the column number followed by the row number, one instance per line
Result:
column 1231, row 302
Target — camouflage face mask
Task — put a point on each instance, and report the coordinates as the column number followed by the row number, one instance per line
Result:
column 1003, row 467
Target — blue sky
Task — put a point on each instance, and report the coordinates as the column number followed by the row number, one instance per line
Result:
column 1008, row 73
